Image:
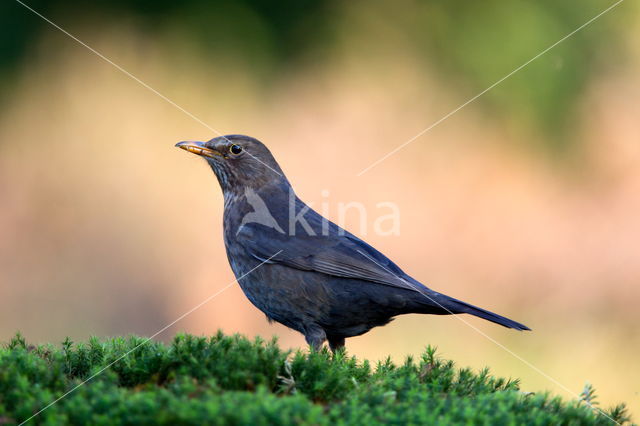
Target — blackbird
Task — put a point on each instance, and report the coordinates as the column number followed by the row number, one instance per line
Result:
column 301, row 269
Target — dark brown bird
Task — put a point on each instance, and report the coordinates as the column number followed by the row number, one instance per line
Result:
column 301, row 269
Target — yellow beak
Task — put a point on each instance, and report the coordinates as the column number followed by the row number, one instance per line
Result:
column 199, row 149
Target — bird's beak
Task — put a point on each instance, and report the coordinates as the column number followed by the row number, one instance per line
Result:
column 198, row 148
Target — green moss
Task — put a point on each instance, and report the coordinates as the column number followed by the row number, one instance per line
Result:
column 232, row 380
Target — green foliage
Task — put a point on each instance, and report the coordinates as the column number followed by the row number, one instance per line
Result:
column 479, row 43
column 232, row 380
column 472, row 44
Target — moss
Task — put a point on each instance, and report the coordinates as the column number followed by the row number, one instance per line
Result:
column 233, row 380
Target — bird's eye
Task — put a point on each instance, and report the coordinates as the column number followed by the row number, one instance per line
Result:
column 235, row 149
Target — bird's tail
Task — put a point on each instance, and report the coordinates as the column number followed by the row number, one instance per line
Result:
column 455, row 306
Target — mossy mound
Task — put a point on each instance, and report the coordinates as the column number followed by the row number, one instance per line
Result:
column 233, row 380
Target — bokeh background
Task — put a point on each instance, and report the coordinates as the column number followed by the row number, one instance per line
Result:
column 526, row 202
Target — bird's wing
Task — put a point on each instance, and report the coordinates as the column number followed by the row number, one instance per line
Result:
column 339, row 254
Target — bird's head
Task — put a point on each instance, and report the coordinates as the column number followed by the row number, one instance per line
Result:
column 238, row 161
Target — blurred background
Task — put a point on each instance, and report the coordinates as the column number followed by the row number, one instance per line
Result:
column 526, row 202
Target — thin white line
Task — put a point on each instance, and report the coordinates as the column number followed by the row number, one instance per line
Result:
column 542, row 373
column 153, row 335
column 260, row 161
column 127, row 73
column 398, row 148
column 120, row 68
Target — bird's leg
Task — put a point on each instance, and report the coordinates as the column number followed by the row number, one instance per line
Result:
column 335, row 343
column 315, row 337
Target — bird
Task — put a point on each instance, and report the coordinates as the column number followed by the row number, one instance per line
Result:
column 301, row 269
